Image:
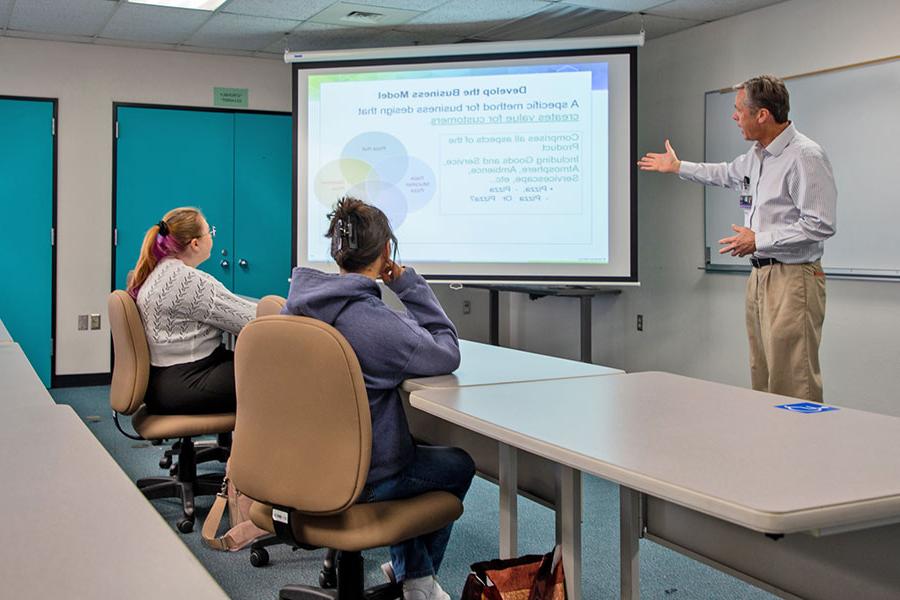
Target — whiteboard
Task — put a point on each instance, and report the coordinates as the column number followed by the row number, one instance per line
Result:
column 854, row 114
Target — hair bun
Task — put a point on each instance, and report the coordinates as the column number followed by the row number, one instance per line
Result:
column 347, row 206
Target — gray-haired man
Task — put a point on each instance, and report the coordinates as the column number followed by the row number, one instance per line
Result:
column 786, row 188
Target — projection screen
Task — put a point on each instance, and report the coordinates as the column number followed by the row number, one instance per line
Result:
column 507, row 162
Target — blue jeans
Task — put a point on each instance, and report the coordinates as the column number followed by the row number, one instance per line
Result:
column 433, row 468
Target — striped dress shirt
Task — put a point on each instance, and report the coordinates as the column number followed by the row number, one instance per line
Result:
column 794, row 195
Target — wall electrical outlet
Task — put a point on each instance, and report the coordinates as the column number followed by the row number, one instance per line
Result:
column 82, row 322
column 467, row 307
column 95, row 321
column 640, row 322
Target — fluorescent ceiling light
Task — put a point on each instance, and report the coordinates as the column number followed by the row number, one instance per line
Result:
column 195, row 4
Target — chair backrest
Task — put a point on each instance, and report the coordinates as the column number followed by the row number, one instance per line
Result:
column 270, row 305
column 303, row 435
column 131, row 366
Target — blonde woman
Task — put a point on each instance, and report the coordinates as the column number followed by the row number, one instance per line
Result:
column 185, row 311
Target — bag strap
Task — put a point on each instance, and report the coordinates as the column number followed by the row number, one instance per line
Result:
column 235, row 538
column 214, row 519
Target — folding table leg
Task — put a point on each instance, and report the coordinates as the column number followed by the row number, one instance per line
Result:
column 509, row 486
column 568, row 510
column 629, row 543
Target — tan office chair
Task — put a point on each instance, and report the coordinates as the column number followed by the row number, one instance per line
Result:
column 131, row 369
column 270, row 305
column 302, row 445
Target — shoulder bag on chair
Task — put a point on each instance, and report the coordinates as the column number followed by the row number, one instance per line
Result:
column 242, row 532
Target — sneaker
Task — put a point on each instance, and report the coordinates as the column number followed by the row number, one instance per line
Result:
column 388, row 570
column 423, row 588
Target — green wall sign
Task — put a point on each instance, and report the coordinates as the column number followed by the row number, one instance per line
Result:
column 234, row 97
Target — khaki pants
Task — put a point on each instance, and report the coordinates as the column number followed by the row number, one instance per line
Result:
column 785, row 311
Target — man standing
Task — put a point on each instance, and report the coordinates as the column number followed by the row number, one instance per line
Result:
column 786, row 189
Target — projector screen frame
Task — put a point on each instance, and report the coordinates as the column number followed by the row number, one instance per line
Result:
column 505, row 50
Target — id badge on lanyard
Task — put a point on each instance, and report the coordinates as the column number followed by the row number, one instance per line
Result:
column 745, row 201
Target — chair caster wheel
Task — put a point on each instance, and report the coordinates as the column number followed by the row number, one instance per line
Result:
column 259, row 557
column 186, row 525
column 328, row 579
column 165, row 462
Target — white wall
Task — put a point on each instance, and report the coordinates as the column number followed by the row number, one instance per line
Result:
column 87, row 79
column 694, row 320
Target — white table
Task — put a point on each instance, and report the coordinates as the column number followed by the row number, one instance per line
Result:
column 719, row 451
column 484, row 364
column 19, row 384
column 543, row 480
column 76, row 526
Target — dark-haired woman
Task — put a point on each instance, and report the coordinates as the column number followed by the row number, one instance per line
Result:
column 391, row 346
column 184, row 312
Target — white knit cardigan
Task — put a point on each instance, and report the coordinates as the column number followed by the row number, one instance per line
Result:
column 185, row 312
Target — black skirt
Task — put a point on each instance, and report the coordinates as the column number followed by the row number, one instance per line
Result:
column 201, row 387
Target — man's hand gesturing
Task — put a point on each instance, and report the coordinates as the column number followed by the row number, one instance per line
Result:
column 666, row 162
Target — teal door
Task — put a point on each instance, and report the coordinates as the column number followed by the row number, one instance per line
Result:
column 262, row 204
column 169, row 158
column 27, row 144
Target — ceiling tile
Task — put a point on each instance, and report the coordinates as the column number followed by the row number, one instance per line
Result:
column 313, row 36
column 277, row 9
column 460, row 31
column 239, row 32
column 144, row 23
column 420, row 5
column 555, row 20
column 206, row 50
column 617, row 5
column 243, row 26
column 468, row 17
column 55, row 37
column 629, row 25
column 709, row 10
column 363, row 15
column 316, row 36
column 73, row 17
column 135, row 44
column 415, row 37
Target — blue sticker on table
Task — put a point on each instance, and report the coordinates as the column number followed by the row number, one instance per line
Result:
column 807, row 408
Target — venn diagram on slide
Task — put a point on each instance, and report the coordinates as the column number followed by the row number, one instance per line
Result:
column 376, row 168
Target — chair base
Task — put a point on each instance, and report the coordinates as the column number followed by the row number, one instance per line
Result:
column 155, row 488
column 205, row 451
column 184, row 484
column 349, row 584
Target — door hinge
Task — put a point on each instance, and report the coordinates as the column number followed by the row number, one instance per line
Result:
column 707, row 254
column 117, row 130
column 115, row 237
column 52, row 236
column 52, row 347
column 53, row 126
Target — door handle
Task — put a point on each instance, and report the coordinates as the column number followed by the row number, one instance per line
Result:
column 243, row 263
column 225, row 264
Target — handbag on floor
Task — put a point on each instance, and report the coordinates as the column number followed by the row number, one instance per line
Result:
column 242, row 531
column 531, row 577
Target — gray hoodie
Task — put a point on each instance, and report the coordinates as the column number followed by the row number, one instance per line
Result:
column 391, row 346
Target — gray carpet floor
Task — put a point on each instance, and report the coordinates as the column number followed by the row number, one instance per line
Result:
column 664, row 574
